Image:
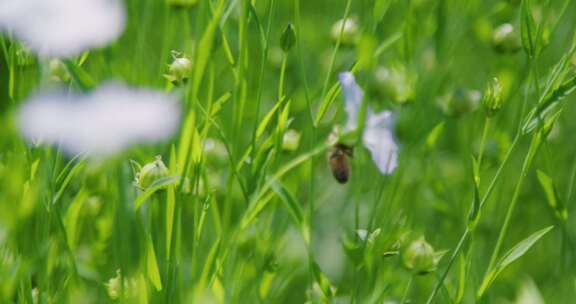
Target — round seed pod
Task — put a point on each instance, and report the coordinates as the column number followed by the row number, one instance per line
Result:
column 420, row 257
column 151, row 172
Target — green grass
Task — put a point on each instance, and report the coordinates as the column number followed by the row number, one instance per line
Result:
column 250, row 222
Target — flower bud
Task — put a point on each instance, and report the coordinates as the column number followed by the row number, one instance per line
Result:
column 151, row 172
column 58, row 71
column 349, row 32
column 291, row 140
column 505, row 39
column 180, row 69
column 271, row 263
column 288, row 38
column 420, row 257
column 126, row 287
column 113, row 286
column 492, row 99
column 35, row 295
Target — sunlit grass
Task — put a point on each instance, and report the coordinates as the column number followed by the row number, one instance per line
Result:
column 241, row 206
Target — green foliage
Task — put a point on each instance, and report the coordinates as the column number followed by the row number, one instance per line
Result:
column 245, row 209
column 511, row 256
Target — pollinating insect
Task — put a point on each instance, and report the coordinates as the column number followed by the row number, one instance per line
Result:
column 338, row 160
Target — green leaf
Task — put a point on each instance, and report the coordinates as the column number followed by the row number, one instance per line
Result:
column 152, row 266
column 289, row 202
column 264, row 123
column 259, row 200
column 283, row 117
column 550, row 106
column 256, row 206
column 380, row 8
column 433, row 136
column 322, row 280
column 210, row 263
column 79, row 76
column 474, row 213
column 66, row 170
column 509, row 257
column 72, row 215
column 157, row 185
column 327, row 102
column 204, row 48
column 136, row 167
column 333, row 92
column 552, row 195
column 261, row 31
column 219, row 103
column 528, row 29
column 170, row 201
column 72, row 173
column 282, row 125
column 521, row 248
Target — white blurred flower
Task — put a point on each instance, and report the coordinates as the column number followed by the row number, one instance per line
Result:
column 63, row 28
column 378, row 135
column 101, row 123
column 349, row 32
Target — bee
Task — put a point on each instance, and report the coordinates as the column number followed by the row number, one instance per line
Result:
column 339, row 162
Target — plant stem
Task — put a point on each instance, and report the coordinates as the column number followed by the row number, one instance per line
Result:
column 282, row 76
column 483, row 143
column 534, row 145
column 466, row 234
column 335, row 51
column 407, row 289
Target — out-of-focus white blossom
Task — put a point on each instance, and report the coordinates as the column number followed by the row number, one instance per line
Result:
column 349, row 32
column 62, row 28
column 378, row 135
column 101, row 123
column 291, row 140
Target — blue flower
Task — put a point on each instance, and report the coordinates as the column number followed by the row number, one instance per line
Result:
column 378, row 135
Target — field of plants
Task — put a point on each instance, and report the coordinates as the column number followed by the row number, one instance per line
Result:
column 287, row 151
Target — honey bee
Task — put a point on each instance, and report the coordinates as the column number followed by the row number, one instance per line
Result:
column 339, row 163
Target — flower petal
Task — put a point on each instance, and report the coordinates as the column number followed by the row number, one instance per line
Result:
column 353, row 96
column 103, row 123
column 63, row 28
column 379, row 140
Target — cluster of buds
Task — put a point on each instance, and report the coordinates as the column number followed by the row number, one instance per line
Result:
column 492, row 99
